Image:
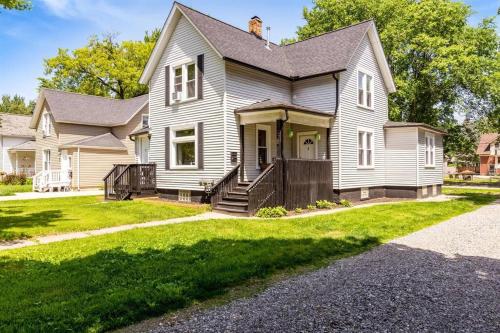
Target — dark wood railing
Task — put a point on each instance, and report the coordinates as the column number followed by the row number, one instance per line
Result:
column 307, row 181
column 267, row 189
column 126, row 179
column 220, row 189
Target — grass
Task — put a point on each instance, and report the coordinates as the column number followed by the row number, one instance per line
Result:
column 31, row 218
column 104, row 282
column 495, row 181
column 6, row 190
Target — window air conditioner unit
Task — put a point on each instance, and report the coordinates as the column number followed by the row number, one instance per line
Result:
column 176, row 96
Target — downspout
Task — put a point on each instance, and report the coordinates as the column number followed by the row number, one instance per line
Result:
column 78, row 184
column 283, row 173
column 336, row 93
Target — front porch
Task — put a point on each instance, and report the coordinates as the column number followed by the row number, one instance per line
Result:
column 284, row 159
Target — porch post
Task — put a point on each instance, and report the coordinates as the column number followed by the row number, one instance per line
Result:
column 279, row 137
column 242, row 152
column 328, row 143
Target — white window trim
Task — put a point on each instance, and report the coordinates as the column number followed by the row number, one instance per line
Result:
column 173, row 140
column 46, row 124
column 365, row 72
column 142, row 120
column 266, row 128
column 45, row 160
column 299, row 134
column 183, row 63
column 429, row 135
column 365, row 166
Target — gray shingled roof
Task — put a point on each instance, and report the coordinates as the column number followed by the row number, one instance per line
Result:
column 103, row 141
column 15, row 125
column 140, row 131
column 330, row 52
column 269, row 104
column 76, row 108
column 395, row 124
column 25, row 146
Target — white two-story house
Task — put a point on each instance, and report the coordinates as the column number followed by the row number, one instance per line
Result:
column 245, row 123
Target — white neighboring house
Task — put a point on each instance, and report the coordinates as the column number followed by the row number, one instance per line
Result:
column 17, row 145
column 244, row 123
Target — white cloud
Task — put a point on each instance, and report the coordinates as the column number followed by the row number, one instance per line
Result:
column 97, row 11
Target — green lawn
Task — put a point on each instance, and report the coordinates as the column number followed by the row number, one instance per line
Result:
column 29, row 218
column 476, row 181
column 12, row 189
column 104, row 282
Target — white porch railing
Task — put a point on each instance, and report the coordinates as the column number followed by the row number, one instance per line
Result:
column 50, row 180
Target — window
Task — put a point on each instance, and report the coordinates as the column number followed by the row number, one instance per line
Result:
column 46, row 160
column 365, row 148
column 183, row 149
column 430, row 150
column 184, row 81
column 46, row 124
column 263, row 140
column 145, row 120
column 365, row 90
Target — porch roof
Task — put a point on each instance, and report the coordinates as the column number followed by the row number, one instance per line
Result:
column 103, row 141
column 140, row 131
column 395, row 124
column 271, row 110
column 25, row 146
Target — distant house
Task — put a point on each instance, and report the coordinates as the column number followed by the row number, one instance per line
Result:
column 488, row 150
column 291, row 124
column 17, row 146
column 79, row 137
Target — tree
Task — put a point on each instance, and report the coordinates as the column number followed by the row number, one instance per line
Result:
column 16, row 104
column 15, row 4
column 103, row 67
column 441, row 64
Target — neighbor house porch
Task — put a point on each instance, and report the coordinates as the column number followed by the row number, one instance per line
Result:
column 284, row 159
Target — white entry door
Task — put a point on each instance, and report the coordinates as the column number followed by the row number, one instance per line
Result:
column 65, row 165
column 142, row 149
column 307, row 146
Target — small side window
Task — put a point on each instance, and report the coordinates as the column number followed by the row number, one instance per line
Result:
column 365, row 89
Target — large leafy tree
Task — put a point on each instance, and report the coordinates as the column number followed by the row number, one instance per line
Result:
column 16, row 104
column 442, row 65
column 104, row 67
column 15, row 4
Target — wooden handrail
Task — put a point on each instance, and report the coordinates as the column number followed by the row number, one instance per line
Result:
column 259, row 177
column 220, row 181
column 121, row 173
column 112, row 170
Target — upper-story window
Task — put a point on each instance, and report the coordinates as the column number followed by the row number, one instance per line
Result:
column 365, row 89
column 145, row 120
column 184, row 82
column 46, row 124
column 365, row 148
column 430, row 150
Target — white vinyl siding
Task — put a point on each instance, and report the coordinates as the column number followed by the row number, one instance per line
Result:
column 351, row 116
column 430, row 175
column 245, row 86
column 187, row 43
column 401, row 156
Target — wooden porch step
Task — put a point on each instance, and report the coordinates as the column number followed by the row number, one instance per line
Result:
column 244, row 184
column 242, row 212
column 237, row 195
column 240, row 189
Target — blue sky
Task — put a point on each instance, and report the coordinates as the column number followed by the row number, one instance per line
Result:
column 26, row 38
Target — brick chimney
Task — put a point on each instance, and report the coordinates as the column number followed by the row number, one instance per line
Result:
column 255, row 26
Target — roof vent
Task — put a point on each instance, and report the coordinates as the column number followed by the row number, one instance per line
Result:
column 255, row 26
column 268, row 30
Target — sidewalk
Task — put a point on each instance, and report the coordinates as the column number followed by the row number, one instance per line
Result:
column 202, row 217
column 48, row 195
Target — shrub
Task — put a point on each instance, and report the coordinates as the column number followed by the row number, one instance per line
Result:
column 270, row 212
column 13, row 179
column 345, row 203
column 311, row 207
column 298, row 210
column 324, row 204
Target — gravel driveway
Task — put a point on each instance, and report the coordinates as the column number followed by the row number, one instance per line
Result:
column 444, row 278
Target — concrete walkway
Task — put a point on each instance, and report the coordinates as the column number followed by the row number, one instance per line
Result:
column 48, row 195
column 445, row 278
column 202, row 217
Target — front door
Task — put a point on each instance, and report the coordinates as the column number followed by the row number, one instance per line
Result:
column 307, row 146
column 65, row 165
column 142, row 148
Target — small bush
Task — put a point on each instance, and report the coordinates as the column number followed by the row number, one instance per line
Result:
column 270, row 212
column 345, row 203
column 13, row 179
column 324, row 204
column 311, row 207
column 298, row 210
